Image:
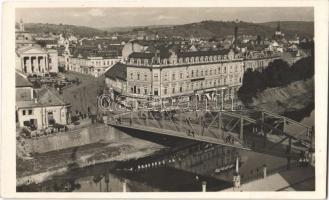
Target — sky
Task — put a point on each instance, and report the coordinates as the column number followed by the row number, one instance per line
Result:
column 141, row 16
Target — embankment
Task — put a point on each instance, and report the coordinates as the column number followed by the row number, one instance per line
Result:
column 295, row 96
column 88, row 135
column 41, row 159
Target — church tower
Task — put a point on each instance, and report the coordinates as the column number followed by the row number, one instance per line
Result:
column 21, row 25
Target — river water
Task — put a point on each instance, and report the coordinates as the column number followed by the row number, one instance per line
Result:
column 170, row 177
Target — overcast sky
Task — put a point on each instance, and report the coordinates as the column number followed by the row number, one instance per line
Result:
column 118, row 17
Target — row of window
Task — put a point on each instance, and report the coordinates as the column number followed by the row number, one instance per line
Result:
column 197, row 59
column 27, row 112
column 189, row 87
column 99, row 63
column 180, row 75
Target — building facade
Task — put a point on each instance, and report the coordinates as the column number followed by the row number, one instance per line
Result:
column 36, row 60
column 172, row 75
column 95, row 66
column 38, row 108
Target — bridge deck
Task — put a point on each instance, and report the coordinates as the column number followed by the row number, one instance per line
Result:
column 254, row 130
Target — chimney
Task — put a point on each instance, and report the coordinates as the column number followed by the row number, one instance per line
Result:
column 278, row 28
column 235, row 36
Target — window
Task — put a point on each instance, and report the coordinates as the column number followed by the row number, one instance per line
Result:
column 156, row 92
column 138, row 75
column 180, row 89
column 138, row 90
column 181, row 75
column 224, row 70
column 173, row 90
column 156, row 76
column 206, row 72
column 165, row 76
column 131, row 75
column 145, row 91
column 30, row 112
column 192, row 73
column 145, row 77
column 210, row 73
column 132, row 90
column 197, row 73
column 201, row 73
column 173, row 76
column 24, row 112
column 165, row 91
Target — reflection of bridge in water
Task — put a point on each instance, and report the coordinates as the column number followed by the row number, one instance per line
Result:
column 254, row 130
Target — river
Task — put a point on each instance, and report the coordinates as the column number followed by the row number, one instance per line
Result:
column 169, row 177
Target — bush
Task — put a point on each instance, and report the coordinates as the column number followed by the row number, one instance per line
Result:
column 277, row 74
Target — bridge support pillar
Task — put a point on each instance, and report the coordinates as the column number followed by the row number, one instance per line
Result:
column 219, row 120
column 264, row 171
column 124, row 186
column 236, row 175
column 289, row 154
column 204, row 186
column 241, row 129
column 284, row 124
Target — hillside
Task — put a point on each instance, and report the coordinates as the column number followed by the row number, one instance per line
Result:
column 204, row 29
column 294, row 26
column 219, row 29
column 81, row 31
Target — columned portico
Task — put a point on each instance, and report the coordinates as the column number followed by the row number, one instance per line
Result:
column 35, row 64
column 36, row 60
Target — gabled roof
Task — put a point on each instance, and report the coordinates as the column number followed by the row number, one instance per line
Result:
column 117, row 71
column 22, row 81
column 47, row 97
column 31, row 50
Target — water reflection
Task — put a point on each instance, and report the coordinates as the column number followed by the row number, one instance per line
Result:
column 188, row 167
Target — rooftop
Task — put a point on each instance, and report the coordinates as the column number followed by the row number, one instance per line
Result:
column 22, row 81
column 117, row 71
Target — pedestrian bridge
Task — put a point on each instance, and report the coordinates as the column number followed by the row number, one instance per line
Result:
column 255, row 130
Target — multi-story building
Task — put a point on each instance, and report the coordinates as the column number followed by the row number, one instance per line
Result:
column 92, row 61
column 168, row 74
column 259, row 60
column 38, row 108
column 36, row 60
